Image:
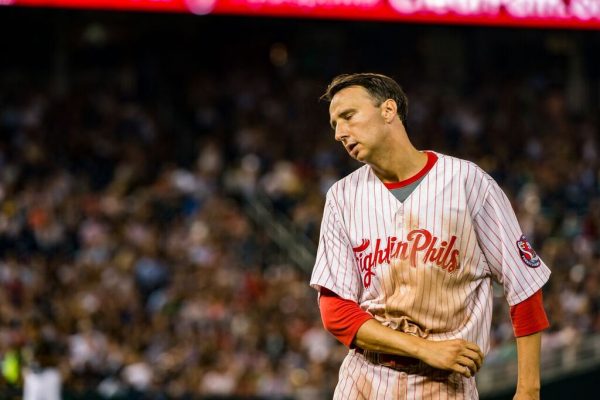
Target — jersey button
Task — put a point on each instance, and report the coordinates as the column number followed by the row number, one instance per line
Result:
column 400, row 218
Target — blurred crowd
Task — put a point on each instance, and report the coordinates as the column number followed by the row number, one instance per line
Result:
column 125, row 248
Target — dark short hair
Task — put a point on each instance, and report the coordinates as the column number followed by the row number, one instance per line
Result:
column 380, row 87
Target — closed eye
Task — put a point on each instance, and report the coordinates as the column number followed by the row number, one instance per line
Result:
column 345, row 115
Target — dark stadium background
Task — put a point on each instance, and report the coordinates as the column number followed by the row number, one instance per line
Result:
column 177, row 145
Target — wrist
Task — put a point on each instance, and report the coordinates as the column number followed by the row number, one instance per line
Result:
column 528, row 388
column 527, row 395
column 528, row 383
column 418, row 348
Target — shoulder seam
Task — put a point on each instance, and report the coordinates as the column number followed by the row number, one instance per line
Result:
column 489, row 181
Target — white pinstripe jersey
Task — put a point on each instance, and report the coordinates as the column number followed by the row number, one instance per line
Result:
column 425, row 266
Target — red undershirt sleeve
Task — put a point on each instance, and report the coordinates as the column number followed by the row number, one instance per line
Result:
column 341, row 317
column 528, row 316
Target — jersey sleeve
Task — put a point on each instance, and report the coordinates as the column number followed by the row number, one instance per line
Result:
column 510, row 258
column 335, row 267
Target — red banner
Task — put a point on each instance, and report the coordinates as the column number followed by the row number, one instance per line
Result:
column 533, row 13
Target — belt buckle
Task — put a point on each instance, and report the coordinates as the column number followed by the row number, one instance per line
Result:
column 401, row 366
column 376, row 358
column 390, row 364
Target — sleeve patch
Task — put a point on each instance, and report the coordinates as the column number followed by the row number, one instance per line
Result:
column 528, row 255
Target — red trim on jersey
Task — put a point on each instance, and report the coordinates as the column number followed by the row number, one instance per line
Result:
column 528, row 316
column 341, row 317
column 431, row 159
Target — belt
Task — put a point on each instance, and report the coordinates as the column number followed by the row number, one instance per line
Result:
column 393, row 361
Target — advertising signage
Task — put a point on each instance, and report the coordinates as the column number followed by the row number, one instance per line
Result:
column 532, row 13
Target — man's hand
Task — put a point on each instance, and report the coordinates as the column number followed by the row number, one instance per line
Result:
column 456, row 355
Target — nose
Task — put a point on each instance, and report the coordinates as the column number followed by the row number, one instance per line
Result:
column 340, row 133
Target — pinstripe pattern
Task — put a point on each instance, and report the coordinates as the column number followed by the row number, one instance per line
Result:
column 404, row 274
column 360, row 379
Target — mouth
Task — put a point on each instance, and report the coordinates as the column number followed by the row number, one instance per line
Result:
column 351, row 147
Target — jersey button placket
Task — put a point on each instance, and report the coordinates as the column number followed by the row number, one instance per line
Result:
column 400, row 219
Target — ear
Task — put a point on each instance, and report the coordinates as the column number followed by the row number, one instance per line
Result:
column 389, row 110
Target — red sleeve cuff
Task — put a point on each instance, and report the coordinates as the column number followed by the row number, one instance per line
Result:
column 341, row 317
column 529, row 317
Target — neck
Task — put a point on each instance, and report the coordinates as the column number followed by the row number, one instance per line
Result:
column 399, row 163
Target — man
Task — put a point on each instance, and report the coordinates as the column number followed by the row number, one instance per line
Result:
column 409, row 245
column 42, row 380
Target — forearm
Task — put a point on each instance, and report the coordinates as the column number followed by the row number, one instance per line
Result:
column 351, row 325
column 376, row 337
column 455, row 355
column 528, row 349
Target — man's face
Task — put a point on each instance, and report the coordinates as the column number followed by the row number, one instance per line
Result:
column 357, row 121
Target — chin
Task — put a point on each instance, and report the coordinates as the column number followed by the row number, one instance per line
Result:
column 361, row 156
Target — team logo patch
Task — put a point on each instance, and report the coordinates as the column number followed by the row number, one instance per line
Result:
column 528, row 255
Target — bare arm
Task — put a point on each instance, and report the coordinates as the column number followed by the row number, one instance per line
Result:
column 452, row 355
column 528, row 350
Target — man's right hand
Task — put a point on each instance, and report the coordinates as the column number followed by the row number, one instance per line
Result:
column 455, row 355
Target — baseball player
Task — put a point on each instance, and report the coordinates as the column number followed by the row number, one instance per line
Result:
column 409, row 246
